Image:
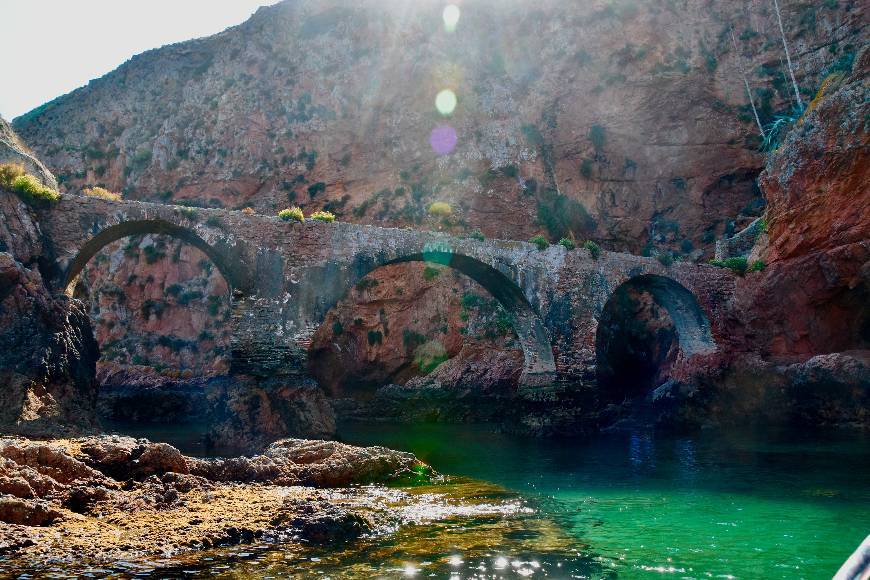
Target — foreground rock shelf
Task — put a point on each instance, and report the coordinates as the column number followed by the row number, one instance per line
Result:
column 111, row 499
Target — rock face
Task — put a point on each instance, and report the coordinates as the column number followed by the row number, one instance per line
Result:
column 812, row 298
column 799, row 331
column 816, row 181
column 649, row 140
column 158, row 302
column 47, row 350
column 403, row 321
column 14, row 150
column 562, row 128
column 47, row 356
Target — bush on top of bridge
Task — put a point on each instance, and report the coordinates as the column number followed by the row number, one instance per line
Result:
column 539, row 241
column 102, row 193
column 29, row 188
column 594, row 249
column 323, row 216
column 736, row 264
column 440, row 209
column 292, row 214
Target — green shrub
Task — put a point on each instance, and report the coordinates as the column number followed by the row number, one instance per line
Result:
column 188, row 212
column 292, row 214
column 762, row 226
column 567, row 243
column 366, row 283
column 102, row 193
column 32, row 192
column 429, row 356
column 150, row 307
column 152, row 254
column 562, row 215
column 375, row 337
column 737, row 265
column 430, row 273
column 594, row 249
column 540, row 241
column 440, row 209
column 214, row 221
column 318, row 187
column 9, row 172
column 323, row 216
column 597, row 135
column 666, row 259
column 757, row 266
column 476, row 235
column 214, row 305
column 337, row 328
column 186, row 298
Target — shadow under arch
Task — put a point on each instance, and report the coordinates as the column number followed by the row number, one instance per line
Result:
column 690, row 324
column 539, row 369
column 113, row 233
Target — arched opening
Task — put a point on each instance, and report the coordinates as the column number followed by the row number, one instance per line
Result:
column 645, row 325
column 143, row 227
column 160, row 308
column 430, row 317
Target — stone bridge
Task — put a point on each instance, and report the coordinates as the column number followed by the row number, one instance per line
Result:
column 285, row 276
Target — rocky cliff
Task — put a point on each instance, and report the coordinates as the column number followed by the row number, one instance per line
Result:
column 47, row 349
column 619, row 121
column 799, row 338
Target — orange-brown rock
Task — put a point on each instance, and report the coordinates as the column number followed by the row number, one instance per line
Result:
column 402, row 321
column 812, row 298
column 637, row 111
column 817, row 183
column 161, row 303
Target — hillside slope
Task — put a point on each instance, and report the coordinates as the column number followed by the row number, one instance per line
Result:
column 622, row 121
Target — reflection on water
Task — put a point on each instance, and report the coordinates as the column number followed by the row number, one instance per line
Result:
column 785, row 505
column 638, row 505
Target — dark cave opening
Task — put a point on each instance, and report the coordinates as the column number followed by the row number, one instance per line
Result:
column 636, row 344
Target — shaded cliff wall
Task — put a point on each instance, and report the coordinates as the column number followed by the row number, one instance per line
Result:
column 813, row 296
column 47, row 349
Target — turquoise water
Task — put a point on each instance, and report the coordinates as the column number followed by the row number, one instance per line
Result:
column 628, row 505
column 714, row 505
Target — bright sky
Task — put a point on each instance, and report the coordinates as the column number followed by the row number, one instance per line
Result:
column 51, row 47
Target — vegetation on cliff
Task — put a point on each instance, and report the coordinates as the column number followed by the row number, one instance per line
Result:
column 29, row 188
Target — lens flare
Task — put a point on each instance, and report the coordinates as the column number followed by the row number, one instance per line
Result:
column 438, row 252
column 445, row 102
column 451, row 17
column 443, row 139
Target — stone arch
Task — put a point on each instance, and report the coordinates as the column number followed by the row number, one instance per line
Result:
column 689, row 323
column 539, row 369
column 113, row 233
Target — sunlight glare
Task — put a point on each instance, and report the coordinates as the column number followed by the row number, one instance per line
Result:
column 451, row 17
column 443, row 139
column 445, row 102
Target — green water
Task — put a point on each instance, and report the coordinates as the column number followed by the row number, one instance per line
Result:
column 714, row 505
column 628, row 505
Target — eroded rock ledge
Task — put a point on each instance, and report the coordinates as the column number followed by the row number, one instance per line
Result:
column 110, row 498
